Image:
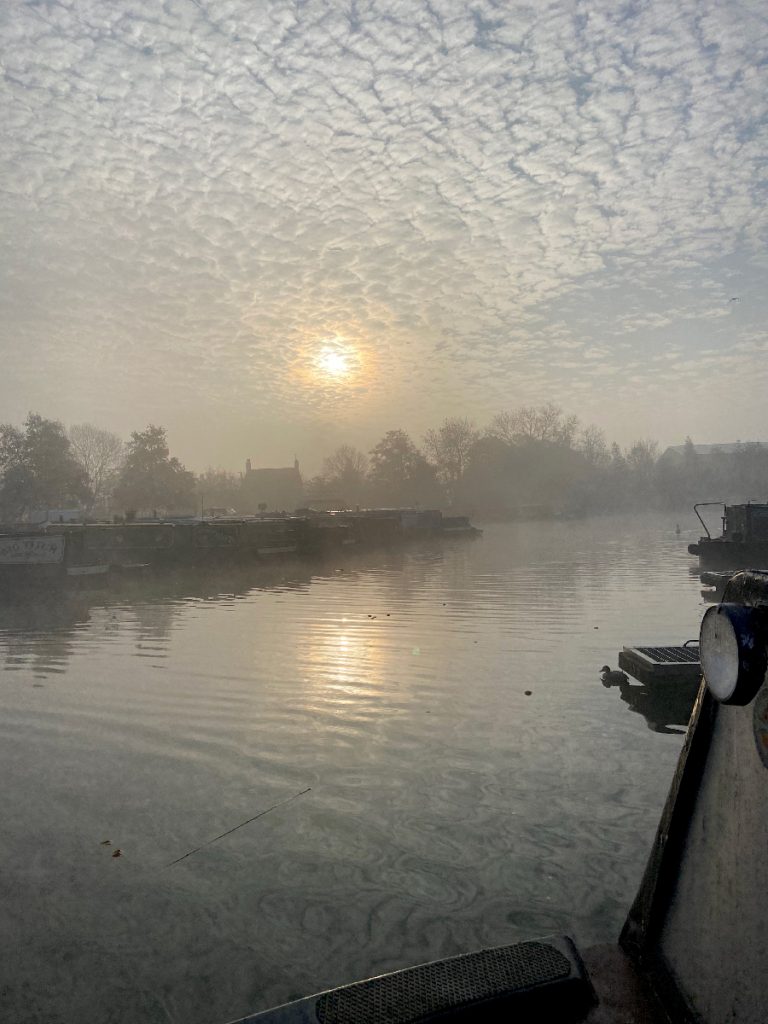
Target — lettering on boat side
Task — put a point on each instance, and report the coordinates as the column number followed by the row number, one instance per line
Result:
column 31, row 550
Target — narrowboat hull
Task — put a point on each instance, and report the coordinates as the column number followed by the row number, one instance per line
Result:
column 86, row 552
column 719, row 553
column 743, row 543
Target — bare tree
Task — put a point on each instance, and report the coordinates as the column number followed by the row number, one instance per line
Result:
column 344, row 474
column 218, row 488
column 345, row 461
column 504, row 427
column 535, row 423
column 641, row 457
column 101, row 454
column 449, row 448
column 593, row 446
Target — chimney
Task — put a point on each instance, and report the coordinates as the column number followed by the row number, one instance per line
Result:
column 247, row 465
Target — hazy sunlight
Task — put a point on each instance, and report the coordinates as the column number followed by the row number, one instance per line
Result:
column 336, row 361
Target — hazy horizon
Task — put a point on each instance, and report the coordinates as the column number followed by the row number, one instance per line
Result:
column 276, row 228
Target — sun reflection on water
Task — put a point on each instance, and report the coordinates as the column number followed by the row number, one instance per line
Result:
column 344, row 662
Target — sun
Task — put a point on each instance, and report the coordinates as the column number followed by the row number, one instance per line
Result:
column 334, row 365
column 336, row 362
column 333, row 362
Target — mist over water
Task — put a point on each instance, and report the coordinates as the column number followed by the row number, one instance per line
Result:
column 448, row 810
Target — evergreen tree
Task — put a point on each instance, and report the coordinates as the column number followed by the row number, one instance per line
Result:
column 400, row 474
column 38, row 469
column 151, row 478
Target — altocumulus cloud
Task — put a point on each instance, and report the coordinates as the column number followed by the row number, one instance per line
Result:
column 492, row 203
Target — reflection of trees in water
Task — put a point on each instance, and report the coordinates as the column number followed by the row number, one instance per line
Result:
column 559, row 561
column 41, row 632
column 403, row 573
column 662, row 705
column 151, row 623
column 38, row 632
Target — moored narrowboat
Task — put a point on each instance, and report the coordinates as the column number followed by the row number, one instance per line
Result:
column 459, row 526
column 34, row 556
column 743, row 543
column 77, row 551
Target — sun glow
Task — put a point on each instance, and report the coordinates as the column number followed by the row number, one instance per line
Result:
column 334, row 367
column 333, row 362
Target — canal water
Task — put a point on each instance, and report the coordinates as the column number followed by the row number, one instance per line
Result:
column 447, row 808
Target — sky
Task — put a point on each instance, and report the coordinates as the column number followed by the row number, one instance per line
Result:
column 275, row 227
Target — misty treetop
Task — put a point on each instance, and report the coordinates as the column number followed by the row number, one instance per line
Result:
column 151, row 477
column 531, row 458
column 42, row 468
column 394, row 473
column 400, row 473
column 101, row 455
column 536, row 459
column 535, row 423
column 450, row 448
column 38, row 469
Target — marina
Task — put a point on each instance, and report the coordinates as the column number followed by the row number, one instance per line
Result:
column 361, row 660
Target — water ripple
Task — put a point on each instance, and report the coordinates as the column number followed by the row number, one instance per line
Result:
column 472, row 783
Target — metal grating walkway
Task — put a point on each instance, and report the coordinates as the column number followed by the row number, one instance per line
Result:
column 660, row 664
column 671, row 655
column 543, row 980
column 415, row 994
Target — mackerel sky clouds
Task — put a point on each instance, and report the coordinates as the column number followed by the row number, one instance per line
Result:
column 479, row 205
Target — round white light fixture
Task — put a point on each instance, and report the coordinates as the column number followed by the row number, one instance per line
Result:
column 732, row 648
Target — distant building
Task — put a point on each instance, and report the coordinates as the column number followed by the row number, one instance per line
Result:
column 676, row 452
column 39, row 516
column 279, row 489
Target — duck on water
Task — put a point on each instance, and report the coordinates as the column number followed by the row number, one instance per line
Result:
column 613, row 677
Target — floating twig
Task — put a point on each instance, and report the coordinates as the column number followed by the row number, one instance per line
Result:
column 242, row 823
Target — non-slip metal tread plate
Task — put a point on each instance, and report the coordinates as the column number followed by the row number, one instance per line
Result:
column 670, row 655
column 408, row 996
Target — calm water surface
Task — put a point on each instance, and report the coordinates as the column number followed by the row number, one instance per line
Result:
column 447, row 810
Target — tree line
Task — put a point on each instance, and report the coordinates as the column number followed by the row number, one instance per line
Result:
column 539, row 460
column 531, row 460
column 43, row 466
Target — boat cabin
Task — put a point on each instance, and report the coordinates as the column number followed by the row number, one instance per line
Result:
column 746, row 522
